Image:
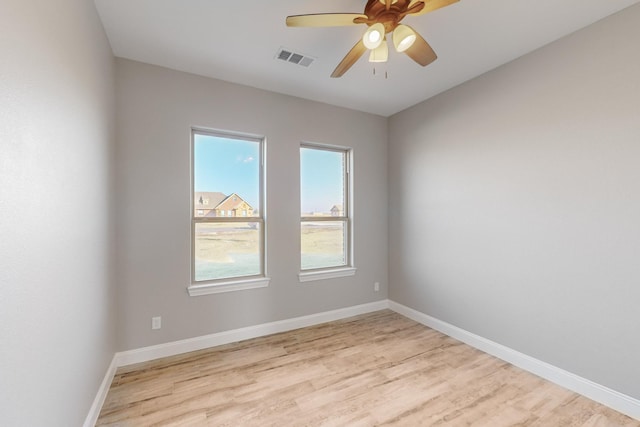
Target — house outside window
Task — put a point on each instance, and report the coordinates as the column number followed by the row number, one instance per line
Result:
column 228, row 252
column 325, row 222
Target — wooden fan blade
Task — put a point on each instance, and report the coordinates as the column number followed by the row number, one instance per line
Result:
column 388, row 4
column 352, row 57
column 421, row 52
column 324, row 20
column 430, row 5
column 415, row 8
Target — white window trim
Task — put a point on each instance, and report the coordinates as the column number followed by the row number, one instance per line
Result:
column 350, row 269
column 312, row 276
column 241, row 283
column 228, row 286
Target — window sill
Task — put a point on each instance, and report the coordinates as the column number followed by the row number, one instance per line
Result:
column 230, row 286
column 310, row 276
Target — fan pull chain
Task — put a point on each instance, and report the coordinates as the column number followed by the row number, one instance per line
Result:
column 386, row 73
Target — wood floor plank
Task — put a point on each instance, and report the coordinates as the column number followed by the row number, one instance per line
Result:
column 376, row 369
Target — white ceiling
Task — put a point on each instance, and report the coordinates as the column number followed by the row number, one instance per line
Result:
column 237, row 41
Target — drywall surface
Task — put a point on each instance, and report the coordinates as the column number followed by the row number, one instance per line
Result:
column 516, row 204
column 156, row 109
column 57, row 320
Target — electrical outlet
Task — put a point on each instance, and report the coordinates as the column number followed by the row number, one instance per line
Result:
column 156, row 322
column 376, row 286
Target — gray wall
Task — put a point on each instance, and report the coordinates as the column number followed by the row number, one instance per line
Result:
column 57, row 322
column 156, row 108
column 516, row 204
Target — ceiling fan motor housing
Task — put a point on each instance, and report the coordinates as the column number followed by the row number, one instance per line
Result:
column 376, row 11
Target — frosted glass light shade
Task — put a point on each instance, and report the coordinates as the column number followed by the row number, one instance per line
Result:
column 374, row 36
column 403, row 37
column 380, row 54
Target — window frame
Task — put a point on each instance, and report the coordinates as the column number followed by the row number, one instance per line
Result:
column 348, row 269
column 228, row 284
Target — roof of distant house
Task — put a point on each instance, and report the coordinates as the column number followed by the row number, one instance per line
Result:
column 208, row 200
column 233, row 201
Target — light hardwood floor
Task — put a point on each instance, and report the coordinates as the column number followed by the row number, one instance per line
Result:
column 375, row 369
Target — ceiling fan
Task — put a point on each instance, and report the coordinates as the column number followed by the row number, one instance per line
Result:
column 382, row 17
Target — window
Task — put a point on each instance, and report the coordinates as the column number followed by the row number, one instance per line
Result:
column 227, row 251
column 325, row 225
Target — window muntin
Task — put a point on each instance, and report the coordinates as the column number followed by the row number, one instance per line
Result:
column 226, row 177
column 324, row 198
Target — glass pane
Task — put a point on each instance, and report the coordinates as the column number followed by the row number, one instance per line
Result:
column 323, row 244
column 226, row 177
column 225, row 250
column 322, row 174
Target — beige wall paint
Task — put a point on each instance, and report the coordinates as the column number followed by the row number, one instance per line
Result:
column 517, row 204
column 57, row 320
column 156, row 109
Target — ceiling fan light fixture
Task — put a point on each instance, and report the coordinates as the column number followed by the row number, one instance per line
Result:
column 381, row 53
column 381, row 17
column 403, row 37
column 374, row 36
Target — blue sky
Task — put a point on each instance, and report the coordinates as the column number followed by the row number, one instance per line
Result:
column 228, row 166
column 321, row 179
column 232, row 166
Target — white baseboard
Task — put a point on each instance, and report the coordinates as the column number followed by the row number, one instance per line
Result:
column 94, row 412
column 611, row 398
column 199, row 343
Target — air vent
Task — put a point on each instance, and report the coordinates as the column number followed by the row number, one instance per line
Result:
column 289, row 55
column 284, row 55
column 296, row 58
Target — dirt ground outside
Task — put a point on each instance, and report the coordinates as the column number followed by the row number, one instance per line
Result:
column 231, row 250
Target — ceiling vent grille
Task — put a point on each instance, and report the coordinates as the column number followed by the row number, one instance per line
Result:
column 289, row 55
